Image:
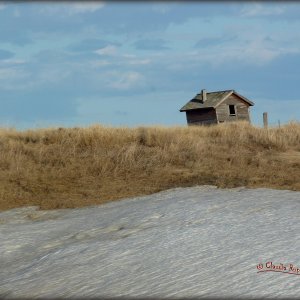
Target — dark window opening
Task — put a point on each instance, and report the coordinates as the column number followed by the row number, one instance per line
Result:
column 232, row 110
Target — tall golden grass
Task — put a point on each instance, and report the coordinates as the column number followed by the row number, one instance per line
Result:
column 73, row 167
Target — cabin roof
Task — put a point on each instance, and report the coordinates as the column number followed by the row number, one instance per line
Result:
column 212, row 100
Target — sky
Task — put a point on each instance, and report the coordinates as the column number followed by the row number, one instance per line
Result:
column 137, row 63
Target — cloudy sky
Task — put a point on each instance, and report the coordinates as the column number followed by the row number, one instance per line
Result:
column 138, row 63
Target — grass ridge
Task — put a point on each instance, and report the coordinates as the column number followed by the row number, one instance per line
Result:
column 74, row 167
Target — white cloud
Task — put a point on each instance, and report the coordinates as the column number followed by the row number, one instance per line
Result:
column 100, row 63
column 245, row 51
column 108, row 50
column 161, row 8
column 125, row 80
column 251, row 44
column 7, row 73
column 2, row 6
column 16, row 75
column 139, row 62
column 14, row 79
column 17, row 13
column 51, row 75
column 71, row 8
column 255, row 53
column 12, row 62
column 257, row 9
column 87, row 7
column 132, row 59
column 127, row 55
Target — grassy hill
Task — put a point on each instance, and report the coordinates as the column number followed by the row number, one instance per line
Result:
column 73, row 167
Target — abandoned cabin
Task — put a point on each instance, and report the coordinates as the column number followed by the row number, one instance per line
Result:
column 217, row 107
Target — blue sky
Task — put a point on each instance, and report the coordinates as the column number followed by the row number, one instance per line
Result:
column 138, row 63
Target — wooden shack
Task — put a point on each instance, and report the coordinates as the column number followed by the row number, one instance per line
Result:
column 217, row 107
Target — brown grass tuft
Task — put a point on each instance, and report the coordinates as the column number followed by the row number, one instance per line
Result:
column 73, row 167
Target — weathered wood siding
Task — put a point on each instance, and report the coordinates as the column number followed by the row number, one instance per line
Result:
column 201, row 116
column 241, row 110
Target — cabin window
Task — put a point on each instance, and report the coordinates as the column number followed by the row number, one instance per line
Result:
column 232, row 110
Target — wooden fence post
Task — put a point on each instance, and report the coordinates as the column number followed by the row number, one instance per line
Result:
column 265, row 117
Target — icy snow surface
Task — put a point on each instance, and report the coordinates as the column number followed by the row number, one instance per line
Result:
column 184, row 242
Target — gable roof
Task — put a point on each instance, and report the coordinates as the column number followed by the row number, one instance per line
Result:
column 213, row 99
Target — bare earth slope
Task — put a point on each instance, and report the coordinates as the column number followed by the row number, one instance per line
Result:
column 186, row 242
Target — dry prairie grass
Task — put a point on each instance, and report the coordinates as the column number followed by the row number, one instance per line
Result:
column 74, row 167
